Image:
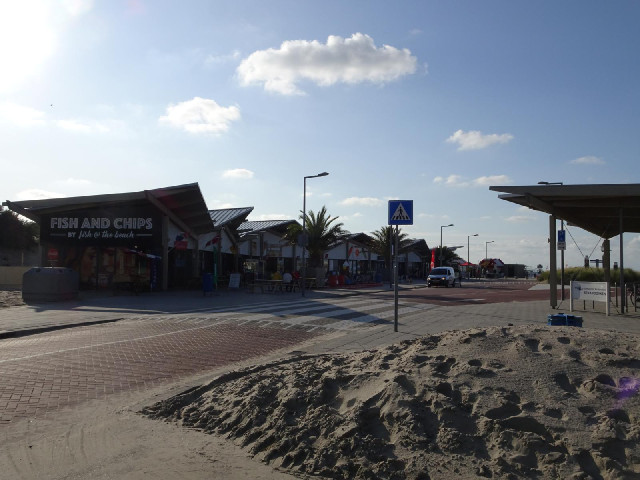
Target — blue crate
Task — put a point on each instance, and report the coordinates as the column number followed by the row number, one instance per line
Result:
column 562, row 319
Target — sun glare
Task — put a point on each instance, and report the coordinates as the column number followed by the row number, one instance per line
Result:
column 27, row 39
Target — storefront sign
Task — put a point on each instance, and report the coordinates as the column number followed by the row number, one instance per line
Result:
column 118, row 226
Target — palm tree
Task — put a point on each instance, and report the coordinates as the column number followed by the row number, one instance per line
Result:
column 322, row 233
column 382, row 241
column 449, row 256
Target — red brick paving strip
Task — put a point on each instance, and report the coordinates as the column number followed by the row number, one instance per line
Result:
column 40, row 375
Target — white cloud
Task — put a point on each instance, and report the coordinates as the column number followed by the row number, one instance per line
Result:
column 492, row 180
column 271, row 216
column 475, row 140
column 452, row 181
column 21, row 115
column 75, row 182
column 200, row 115
column 82, row 127
column 241, row 173
column 589, row 160
column 216, row 205
column 211, row 60
column 352, row 60
column 460, row 181
column 362, row 201
column 77, row 7
column 520, row 218
column 37, row 194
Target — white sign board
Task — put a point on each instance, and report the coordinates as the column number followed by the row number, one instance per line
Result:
column 593, row 291
column 234, row 280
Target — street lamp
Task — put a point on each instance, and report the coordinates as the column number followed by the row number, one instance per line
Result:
column 468, row 256
column 486, row 255
column 441, row 227
column 305, row 241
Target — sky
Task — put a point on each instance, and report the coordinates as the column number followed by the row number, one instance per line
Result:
column 430, row 101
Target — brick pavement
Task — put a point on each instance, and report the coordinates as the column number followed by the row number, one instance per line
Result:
column 43, row 373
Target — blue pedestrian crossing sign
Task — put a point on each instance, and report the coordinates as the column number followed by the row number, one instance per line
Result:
column 400, row 212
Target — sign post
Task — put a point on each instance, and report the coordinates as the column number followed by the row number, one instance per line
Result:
column 400, row 213
column 562, row 246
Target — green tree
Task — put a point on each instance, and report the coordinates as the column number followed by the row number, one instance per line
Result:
column 17, row 234
column 382, row 241
column 322, row 232
column 449, row 257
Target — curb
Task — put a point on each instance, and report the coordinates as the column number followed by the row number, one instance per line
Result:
column 50, row 328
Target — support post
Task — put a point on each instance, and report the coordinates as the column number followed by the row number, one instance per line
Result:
column 165, row 253
column 553, row 268
column 562, row 266
column 395, row 281
column 623, row 287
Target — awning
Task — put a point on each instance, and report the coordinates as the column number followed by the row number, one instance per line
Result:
column 605, row 210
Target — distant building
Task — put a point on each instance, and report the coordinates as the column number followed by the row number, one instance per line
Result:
column 515, row 270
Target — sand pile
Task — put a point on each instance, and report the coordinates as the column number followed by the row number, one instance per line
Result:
column 516, row 402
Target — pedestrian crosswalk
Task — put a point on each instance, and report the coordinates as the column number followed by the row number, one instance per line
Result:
column 342, row 313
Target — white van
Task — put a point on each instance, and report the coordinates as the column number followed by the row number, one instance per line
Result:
column 442, row 276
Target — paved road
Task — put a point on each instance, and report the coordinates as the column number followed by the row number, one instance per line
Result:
column 41, row 373
column 476, row 292
column 142, row 347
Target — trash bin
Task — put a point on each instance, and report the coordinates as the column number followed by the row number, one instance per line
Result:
column 207, row 283
column 49, row 284
column 378, row 278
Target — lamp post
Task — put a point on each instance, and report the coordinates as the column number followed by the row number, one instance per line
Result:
column 441, row 227
column 468, row 256
column 486, row 255
column 305, row 241
column 561, row 251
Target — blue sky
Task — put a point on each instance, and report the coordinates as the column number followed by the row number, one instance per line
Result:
column 421, row 100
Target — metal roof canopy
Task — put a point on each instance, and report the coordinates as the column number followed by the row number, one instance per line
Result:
column 184, row 204
column 606, row 210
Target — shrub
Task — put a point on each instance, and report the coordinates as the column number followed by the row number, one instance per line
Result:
column 581, row 274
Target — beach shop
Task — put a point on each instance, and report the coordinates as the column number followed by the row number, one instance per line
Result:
column 148, row 239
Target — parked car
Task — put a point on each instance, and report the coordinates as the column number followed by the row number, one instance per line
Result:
column 442, row 276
